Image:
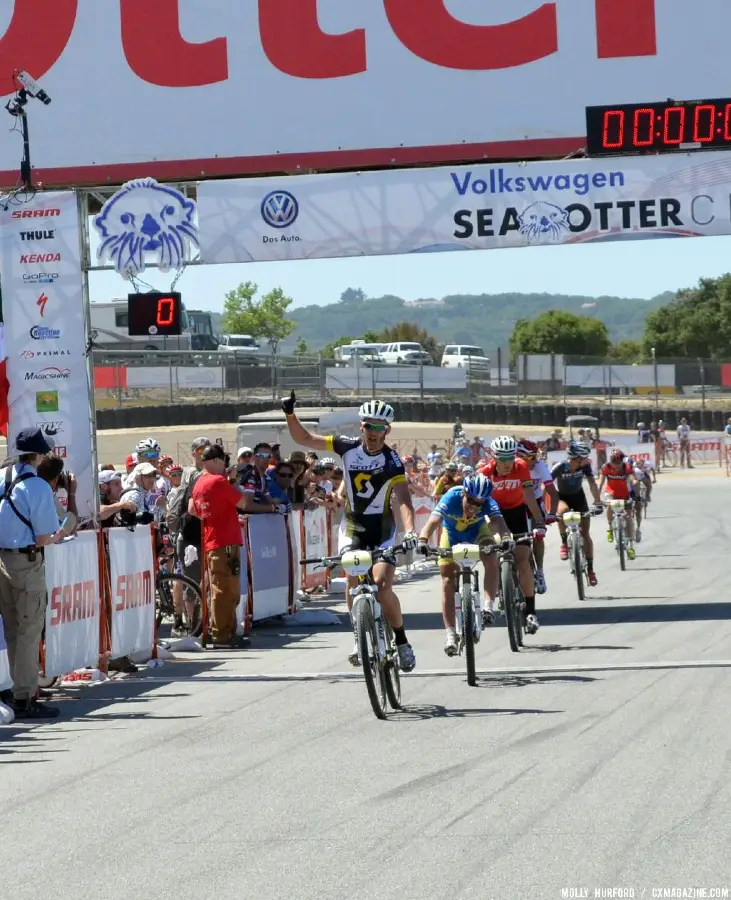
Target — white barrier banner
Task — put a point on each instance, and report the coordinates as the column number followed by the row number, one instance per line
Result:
column 74, row 604
column 404, row 378
column 45, row 337
column 294, row 523
column 478, row 207
column 315, row 544
column 241, row 609
column 5, row 679
column 619, row 376
column 645, row 452
column 132, row 576
column 202, row 377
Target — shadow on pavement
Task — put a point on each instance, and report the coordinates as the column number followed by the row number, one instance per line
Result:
column 521, row 680
column 431, row 711
column 614, row 615
column 558, row 648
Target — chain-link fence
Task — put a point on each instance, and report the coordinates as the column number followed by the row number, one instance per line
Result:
column 155, row 377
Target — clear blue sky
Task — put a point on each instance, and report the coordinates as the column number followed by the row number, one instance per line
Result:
column 625, row 269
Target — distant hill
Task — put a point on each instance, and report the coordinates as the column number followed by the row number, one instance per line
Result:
column 484, row 319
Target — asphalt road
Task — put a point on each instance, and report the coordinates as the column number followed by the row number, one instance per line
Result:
column 598, row 759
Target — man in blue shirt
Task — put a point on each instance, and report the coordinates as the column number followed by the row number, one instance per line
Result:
column 28, row 523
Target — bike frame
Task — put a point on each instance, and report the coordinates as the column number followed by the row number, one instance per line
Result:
column 466, row 556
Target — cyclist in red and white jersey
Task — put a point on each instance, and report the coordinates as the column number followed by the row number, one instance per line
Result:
column 542, row 487
column 513, row 492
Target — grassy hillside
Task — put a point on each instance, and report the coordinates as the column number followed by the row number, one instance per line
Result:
column 484, row 319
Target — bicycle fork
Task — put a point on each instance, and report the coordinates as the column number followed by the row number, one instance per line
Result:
column 476, row 607
column 369, row 594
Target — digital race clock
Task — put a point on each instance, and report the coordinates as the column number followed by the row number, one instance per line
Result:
column 658, row 127
column 154, row 314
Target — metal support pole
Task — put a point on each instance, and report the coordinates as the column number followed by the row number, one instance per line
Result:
column 703, row 382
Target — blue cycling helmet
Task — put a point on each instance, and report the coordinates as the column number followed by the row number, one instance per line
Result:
column 578, row 450
column 478, row 487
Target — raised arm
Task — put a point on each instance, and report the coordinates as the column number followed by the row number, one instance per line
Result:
column 299, row 434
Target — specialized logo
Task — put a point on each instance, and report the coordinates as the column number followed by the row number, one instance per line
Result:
column 146, row 217
column 35, row 213
column 41, row 278
column 38, row 235
column 280, row 209
column 46, row 401
column 50, row 429
column 41, row 304
column 43, row 333
column 543, row 222
column 50, row 373
column 40, row 257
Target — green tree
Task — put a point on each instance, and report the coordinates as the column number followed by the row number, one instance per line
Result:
column 263, row 317
column 627, row 351
column 561, row 332
column 301, row 347
column 696, row 323
column 353, row 295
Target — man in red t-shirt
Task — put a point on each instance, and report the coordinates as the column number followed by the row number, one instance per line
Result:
column 618, row 480
column 512, row 490
column 216, row 502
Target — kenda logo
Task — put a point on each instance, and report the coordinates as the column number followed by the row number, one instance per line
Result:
column 498, row 181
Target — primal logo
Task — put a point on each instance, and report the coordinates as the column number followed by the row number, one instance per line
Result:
column 40, row 257
column 35, row 213
column 73, row 602
column 146, row 217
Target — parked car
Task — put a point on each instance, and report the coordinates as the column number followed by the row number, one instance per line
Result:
column 406, row 353
column 464, row 356
column 358, row 354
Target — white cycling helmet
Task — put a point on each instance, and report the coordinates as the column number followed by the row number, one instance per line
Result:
column 504, row 447
column 148, row 445
column 328, row 461
column 468, row 470
column 478, row 487
column 376, row 410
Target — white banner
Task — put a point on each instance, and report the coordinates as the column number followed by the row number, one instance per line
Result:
column 478, row 207
column 619, row 376
column 73, row 611
column 5, row 680
column 205, row 377
column 132, row 576
column 314, row 523
column 44, row 330
column 405, row 378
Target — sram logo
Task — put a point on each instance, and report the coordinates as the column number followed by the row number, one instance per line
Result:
column 35, row 213
column 133, row 590
column 71, row 602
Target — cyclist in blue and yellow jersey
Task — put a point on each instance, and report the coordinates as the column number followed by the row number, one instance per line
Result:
column 467, row 515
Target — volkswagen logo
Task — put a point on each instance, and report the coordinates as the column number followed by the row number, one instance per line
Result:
column 280, row 209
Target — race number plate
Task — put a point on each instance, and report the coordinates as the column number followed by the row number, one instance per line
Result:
column 463, row 552
column 617, row 504
column 571, row 517
column 356, row 562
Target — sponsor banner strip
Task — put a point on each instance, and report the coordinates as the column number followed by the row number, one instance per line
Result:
column 465, row 208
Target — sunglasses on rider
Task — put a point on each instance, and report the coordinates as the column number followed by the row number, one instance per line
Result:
column 470, row 501
column 370, row 426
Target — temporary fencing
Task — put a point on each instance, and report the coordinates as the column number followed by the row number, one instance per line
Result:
column 5, row 680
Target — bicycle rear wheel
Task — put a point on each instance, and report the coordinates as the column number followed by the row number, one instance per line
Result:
column 191, row 595
column 468, row 631
column 392, row 673
column 507, row 587
column 365, row 626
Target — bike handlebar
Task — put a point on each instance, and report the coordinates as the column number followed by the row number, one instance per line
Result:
column 329, row 562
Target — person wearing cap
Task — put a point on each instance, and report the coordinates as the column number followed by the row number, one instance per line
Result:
column 63, row 485
column 28, row 523
column 129, row 465
column 245, row 456
column 142, row 492
column 217, row 503
column 110, row 497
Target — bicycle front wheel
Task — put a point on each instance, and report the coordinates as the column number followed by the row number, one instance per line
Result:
column 468, row 631
column 620, row 546
column 365, row 626
column 578, row 568
column 510, row 600
column 191, row 594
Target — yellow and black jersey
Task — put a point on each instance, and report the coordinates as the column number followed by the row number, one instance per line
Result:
column 369, row 478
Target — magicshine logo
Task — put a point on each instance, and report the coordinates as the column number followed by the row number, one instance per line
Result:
column 280, row 209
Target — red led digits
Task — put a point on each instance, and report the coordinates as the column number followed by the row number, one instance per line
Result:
column 674, row 125
column 613, row 135
column 727, row 122
column 165, row 312
column 704, row 123
column 643, row 133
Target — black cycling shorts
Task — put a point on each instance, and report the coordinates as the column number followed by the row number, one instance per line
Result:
column 516, row 519
column 575, row 502
column 367, row 534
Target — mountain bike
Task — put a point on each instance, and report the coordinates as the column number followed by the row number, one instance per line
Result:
column 575, row 543
column 166, row 584
column 375, row 637
column 643, row 498
column 469, row 610
column 510, row 596
column 619, row 529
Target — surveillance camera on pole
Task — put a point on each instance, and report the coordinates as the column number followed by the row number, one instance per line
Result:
column 32, row 87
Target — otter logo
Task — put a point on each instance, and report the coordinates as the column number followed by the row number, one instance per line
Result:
column 543, row 221
column 146, row 217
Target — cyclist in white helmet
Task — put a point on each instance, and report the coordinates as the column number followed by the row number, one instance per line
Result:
column 373, row 473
